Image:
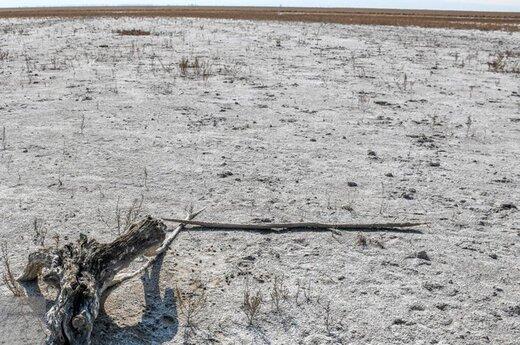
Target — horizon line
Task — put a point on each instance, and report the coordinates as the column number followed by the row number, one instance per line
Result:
column 260, row 7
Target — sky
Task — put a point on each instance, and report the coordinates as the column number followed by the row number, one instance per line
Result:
column 478, row 5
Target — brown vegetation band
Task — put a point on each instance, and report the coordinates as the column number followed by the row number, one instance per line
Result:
column 508, row 21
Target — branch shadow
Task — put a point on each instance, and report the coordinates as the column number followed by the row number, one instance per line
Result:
column 158, row 324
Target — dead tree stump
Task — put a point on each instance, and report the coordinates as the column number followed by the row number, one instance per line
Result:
column 82, row 272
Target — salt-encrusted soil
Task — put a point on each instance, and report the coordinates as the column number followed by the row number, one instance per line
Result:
column 310, row 122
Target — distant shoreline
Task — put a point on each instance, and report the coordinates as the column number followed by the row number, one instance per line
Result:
column 507, row 21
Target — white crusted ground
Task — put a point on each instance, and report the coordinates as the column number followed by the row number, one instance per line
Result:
column 290, row 115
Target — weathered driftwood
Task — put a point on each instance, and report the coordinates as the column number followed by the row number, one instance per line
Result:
column 83, row 273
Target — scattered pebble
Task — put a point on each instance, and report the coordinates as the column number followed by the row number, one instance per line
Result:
column 513, row 311
column 508, row 206
column 432, row 286
column 407, row 196
column 225, row 174
column 422, row 255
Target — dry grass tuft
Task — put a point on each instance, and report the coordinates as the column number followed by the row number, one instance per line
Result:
column 279, row 293
column 190, row 303
column 505, row 62
column 39, row 232
column 196, row 66
column 4, row 139
column 184, row 64
column 498, row 63
column 251, row 304
column 4, row 55
column 7, row 276
column 361, row 240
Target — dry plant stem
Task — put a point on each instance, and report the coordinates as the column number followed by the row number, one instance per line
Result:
column 3, row 138
column 8, row 277
column 251, row 304
column 281, row 226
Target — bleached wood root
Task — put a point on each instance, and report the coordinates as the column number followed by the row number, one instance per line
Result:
column 81, row 272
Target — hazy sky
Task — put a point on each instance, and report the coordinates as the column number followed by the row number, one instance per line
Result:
column 491, row 5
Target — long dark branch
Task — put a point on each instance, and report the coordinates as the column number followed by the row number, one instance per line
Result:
column 284, row 226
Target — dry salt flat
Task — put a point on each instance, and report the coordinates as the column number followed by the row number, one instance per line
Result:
column 282, row 122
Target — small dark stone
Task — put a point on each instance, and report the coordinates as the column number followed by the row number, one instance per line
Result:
column 442, row 306
column 372, row 153
column 398, row 322
column 225, row 174
column 422, row 255
column 493, row 256
column 352, row 184
column 432, row 286
column 407, row 196
column 513, row 311
column 389, row 175
column 435, row 164
column 508, row 206
column 416, row 307
column 249, row 258
column 313, row 140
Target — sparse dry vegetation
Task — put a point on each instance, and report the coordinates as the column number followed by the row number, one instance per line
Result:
column 7, row 275
column 194, row 67
column 361, row 240
column 4, row 55
column 184, row 64
column 39, row 232
column 123, row 217
column 505, row 62
column 278, row 293
column 251, row 304
column 190, row 303
column 132, row 32
column 4, row 138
